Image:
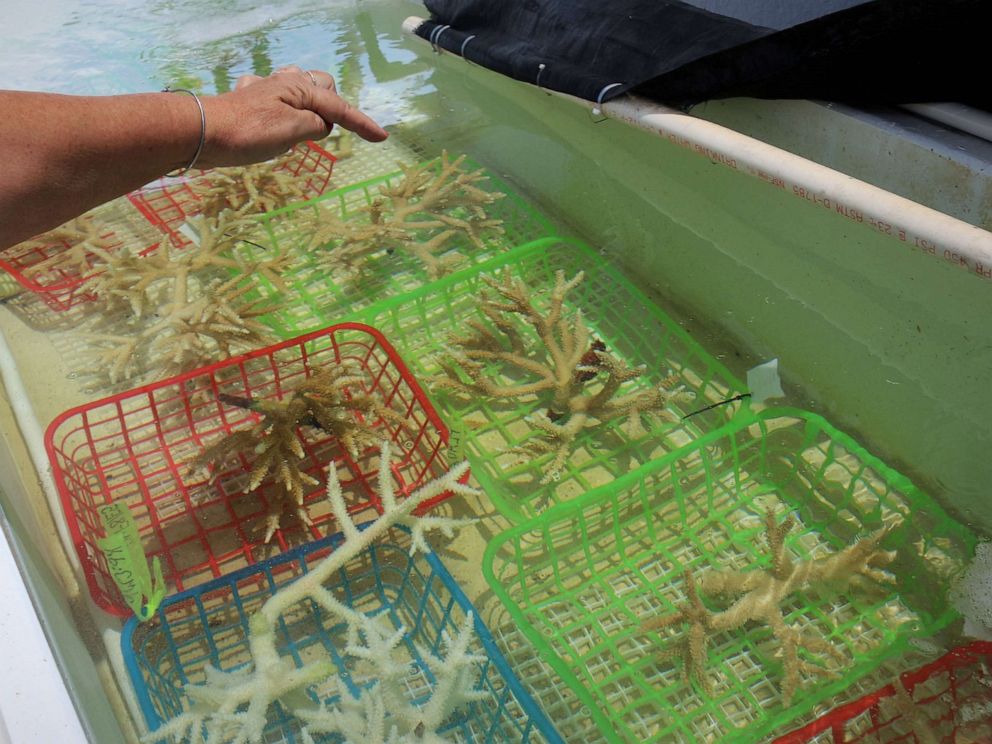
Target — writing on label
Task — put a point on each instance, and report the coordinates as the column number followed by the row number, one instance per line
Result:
column 456, row 439
column 142, row 589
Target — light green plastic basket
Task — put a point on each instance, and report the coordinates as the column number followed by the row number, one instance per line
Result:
column 580, row 579
column 617, row 313
column 318, row 296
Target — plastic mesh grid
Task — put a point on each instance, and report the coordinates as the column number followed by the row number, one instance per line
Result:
column 618, row 314
column 580, row 579
column 59, row 286
column 571, row 718
column 319, row 294
column 168, row 203
column 209, row 625
column 133, row 448
column 951, row 702
column 368, row 160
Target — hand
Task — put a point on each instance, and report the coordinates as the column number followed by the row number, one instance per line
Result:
column 264, row 117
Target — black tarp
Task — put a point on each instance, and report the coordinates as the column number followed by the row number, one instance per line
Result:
column 684, row 51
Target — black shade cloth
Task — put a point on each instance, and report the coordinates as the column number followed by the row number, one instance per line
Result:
column 684, row 51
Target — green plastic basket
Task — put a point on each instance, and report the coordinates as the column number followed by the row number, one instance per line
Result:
column 618, row 313
column 581, row 578
column 316, row 295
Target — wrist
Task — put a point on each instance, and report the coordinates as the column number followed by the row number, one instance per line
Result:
column 216, row 145
column 200, row 129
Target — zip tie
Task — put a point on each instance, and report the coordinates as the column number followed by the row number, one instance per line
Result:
column 540, row 71
column 597, row 110
column 437, row 39
column 203, row 132
column 465, row 44
column 436, row 35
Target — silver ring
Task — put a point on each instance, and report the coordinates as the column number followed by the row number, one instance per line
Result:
column 310, row 75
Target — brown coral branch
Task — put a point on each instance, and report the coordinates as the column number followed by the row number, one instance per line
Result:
column 83, row 235
column 435, row 197
column 180, row 309
column 578, row 383
column 248, row 189
column 693, row 645
column 331, row 400
column 760, row 593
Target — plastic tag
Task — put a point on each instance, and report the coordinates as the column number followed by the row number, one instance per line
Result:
column 763, row 382
column 456, row 439
column 128, row 563
column 190, row 232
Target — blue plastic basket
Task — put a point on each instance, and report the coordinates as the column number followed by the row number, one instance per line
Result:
column 208, row 625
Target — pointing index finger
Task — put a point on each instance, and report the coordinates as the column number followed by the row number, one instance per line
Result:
column 335, row 110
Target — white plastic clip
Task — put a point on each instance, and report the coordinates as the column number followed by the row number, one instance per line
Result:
column 597, row 110
column 764, row 382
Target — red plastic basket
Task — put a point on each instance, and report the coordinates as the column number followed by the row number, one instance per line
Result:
column 941, row 693
column 58, row 287
column 134, row 448
column 168, row 204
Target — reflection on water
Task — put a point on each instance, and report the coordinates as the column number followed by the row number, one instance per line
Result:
column 125, row 46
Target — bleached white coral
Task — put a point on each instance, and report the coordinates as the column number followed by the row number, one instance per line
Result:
column 364, row 720
column 232, row 707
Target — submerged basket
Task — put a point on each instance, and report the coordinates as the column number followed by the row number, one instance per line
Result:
column 581, row 578
column 59, row 285
column 951, row 700
column 167, row 204
column 319, row 294
column 133, row 448
column 618, row 314
column 209, row 626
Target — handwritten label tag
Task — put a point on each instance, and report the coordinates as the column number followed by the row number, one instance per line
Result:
column 457, row 436
column 143, row 590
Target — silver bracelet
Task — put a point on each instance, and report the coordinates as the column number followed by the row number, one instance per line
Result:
column 203, row 131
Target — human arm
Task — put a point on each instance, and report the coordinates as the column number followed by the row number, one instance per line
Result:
column 62, row 155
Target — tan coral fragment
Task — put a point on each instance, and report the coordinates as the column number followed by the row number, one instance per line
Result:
column 575, row 379
column 332, row 401
column 431, row 204
column 760, row 594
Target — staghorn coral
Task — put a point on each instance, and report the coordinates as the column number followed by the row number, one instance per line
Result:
column 249, row 189
column 384, row 714
column 575, row 379
column 174, row 310
column 185, row 335
column 420, row 214
column 760, row 593
column 131, row 284
column 232, row 707
column 330, row 400
column 84, row 236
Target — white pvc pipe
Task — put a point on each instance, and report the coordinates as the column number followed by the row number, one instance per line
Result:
column 936, row 234
column 959, row 116
column 34, row 440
